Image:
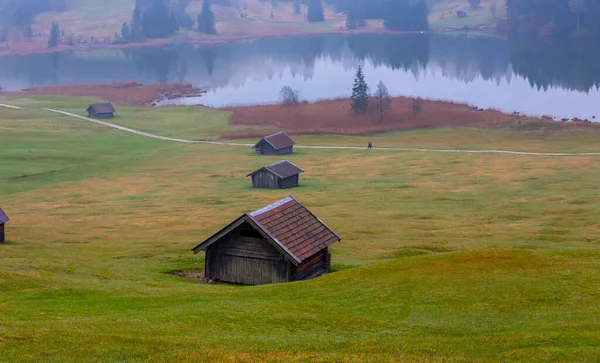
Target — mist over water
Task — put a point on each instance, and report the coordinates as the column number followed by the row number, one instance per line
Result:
column 527, row 75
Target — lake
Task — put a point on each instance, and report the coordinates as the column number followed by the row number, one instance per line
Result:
column 533, row 76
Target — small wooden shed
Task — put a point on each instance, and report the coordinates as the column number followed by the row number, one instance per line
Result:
column 279, row 243
column 276, row 144
column 281, row 175
column 3, row 220
column 101, row 110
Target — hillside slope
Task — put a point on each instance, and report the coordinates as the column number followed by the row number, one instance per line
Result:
column 87, row 18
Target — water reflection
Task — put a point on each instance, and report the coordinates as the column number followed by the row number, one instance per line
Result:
column 529, row 75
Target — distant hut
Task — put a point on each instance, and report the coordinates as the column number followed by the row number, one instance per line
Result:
column 461, row 14
column 279, row 243
column 276, row 144
column 281, row 175
column 3, row 220
column 101, row 110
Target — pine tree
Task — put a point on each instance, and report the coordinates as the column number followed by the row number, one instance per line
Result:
column 135, row 30
column 125, row 33
column 206, row 19
column 297, row 7
column 315, row 11
column 406, row 15
column 54, row 33
column 159, row 21
column 360, row 93
column 351, row 22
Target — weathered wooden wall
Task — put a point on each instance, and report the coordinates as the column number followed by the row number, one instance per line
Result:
column 244, row 257
column 93, row 114
column 314, row 266
column 289, row 182
column 265, row 148
column 265, row 179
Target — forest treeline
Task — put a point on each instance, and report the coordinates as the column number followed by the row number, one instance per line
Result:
column 580, row 18
column 163, row 18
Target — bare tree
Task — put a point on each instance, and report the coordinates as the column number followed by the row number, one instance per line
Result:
column 289, row 96
column 384, row 99
column 417, row 106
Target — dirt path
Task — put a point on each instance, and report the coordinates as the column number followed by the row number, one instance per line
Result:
column 10, row 106
column 146, row 134
column 323, row 147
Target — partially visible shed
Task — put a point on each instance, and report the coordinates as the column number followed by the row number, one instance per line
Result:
column 281, row 175
column 279, row 243
column 101, row 110
column 3, row 219
column 276, row 144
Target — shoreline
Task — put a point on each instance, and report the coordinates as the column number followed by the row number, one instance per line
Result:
column 22, row 48
column 331, row 116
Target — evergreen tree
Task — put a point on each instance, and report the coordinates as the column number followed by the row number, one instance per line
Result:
column 351, row 22
column 206, row 19
column 360, row 93
column 297, row 7
column 315, row 11
column 54, row 34
column 406, row 15
column 159, row 21
column 125, row 33
column 135, row 31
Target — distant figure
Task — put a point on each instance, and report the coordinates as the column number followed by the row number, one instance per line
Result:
column 370, row 145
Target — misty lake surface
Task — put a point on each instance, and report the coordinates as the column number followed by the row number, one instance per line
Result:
column 528, row 75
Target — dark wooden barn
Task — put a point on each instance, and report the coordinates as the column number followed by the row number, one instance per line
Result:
column 3, row 220
column 276, row 144
column 281, row 175
column 101, row 110
column 279, row 243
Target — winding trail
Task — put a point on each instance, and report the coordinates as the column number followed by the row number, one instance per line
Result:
column 459, row 151
column 11, row 106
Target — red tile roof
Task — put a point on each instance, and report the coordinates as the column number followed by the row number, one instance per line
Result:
column 295, row 227
column 289, row 225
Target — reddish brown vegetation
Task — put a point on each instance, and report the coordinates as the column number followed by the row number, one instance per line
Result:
column 133, row 94
column 335, row 117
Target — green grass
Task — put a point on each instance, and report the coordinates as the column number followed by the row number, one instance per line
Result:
column 445, row 257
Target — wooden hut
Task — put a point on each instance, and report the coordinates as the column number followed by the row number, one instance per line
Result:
column 3, row 220
column 101, row 110
column 279, row 243
column 281, row 175
column 276, row 144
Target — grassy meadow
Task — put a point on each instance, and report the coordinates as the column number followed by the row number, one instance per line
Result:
column 445, row 256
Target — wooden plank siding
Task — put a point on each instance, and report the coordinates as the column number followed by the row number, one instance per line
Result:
column 264, row 148
column 244, row 257
column 314, row 266
column 267, row 180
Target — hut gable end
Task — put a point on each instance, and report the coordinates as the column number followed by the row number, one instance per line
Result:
column 3, row 217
